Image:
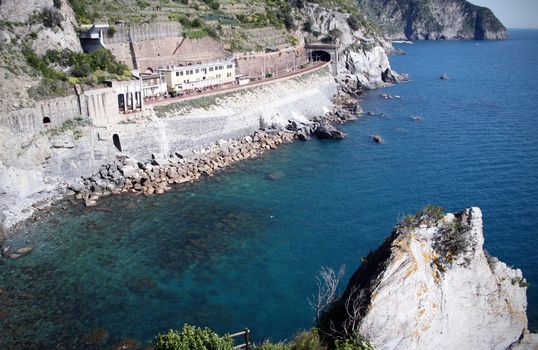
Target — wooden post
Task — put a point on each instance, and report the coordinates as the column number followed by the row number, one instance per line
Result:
column 247, row 340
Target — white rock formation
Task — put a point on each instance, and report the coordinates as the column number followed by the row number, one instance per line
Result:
column 363, row 56
column 432, row 286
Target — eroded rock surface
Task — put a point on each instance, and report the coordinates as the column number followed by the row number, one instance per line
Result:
column 430, row 285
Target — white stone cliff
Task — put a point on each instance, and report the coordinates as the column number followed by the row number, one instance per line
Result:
column 363, row 56
column 432, row 286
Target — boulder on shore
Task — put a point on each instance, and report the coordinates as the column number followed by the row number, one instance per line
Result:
column 327, row 131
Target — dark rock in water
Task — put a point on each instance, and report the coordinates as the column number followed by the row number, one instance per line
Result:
column 20, row 253
column 388, row 77
column 416, row 118
column 377, row 139
column 140, row 284
column 444, row 77
column 370, row 113
column 275, row 175
column 327, row 131
column 96, row 336
column 302, row 136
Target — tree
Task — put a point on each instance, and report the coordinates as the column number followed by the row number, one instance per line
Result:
column 289, row 23
column 327, row 282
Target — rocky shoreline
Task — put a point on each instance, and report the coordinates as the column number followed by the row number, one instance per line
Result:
column 156, row 176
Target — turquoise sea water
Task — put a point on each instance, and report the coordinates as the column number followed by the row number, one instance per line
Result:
column 239, row 250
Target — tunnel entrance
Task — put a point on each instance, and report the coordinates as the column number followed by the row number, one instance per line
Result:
column 116, row 141
column 320, row 55
column 46, row 121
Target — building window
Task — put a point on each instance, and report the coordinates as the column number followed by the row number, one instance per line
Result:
column 181, row 73
column 228, row 75
column 210, row 69
column 197, row 71
column 177, row 74
column 191, row 72
column 229, row 66
column 221, row 67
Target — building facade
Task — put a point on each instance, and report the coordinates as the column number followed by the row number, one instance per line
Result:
column 197, row 76
column 153, row 85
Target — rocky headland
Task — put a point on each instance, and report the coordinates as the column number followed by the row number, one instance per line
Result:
column 434, row 20
column 431, row 285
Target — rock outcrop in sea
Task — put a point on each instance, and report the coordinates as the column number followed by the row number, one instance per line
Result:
column 434, row 20
column 431, row 285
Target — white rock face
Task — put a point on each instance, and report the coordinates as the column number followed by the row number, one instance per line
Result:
column 364, row 68
column 421, row 297
column 362, row 57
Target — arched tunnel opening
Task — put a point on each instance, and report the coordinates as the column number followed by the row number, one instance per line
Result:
column 320, row 55
column 117, row 142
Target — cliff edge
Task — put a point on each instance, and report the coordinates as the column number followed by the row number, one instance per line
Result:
column 434, row 19
column 431, row 285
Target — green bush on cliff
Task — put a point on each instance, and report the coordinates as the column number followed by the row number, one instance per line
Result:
column 91, row 68
column 428, row 215
column 355, row 342
column 193, row 338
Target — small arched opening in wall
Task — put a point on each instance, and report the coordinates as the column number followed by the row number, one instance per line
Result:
column 117, row 142
column 149, row 70
column 121, row 102
column 46, row 121
column 320, row 55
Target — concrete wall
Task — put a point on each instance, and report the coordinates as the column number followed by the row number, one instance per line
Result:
column 231, row 116
column 145, row 31
column 160, row 44
column 30, row 120
column 259, row 64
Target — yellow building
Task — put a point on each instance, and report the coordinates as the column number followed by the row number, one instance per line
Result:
column 198, row 76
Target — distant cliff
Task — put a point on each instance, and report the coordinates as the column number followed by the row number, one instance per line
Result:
column 434, row 19
column 431, row 285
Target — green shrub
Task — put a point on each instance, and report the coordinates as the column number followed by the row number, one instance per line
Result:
column 48, row 88
column 51, row 17
column 267, row 345
column 193, row 338
column 307, row 26
column 355, row 342
column 429, row 215
column 308, row 340
column 111, row 31
column 353, row 22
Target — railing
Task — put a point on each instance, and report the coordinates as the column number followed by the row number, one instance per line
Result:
column 246, row 339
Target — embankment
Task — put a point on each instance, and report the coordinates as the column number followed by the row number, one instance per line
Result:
column 39, row 168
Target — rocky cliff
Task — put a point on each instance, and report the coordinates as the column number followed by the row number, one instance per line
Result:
column 434, row 19
column 363, row 55
column 38, row 25
column 431, row 285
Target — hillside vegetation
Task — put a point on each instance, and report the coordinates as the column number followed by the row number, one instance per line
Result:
column 428, row 19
